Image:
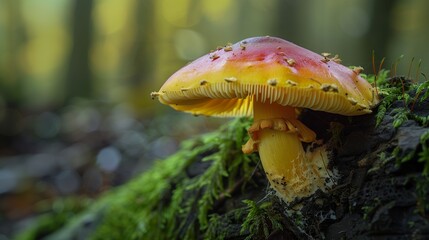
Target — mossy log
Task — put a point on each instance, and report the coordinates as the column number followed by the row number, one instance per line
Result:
column 210, row 190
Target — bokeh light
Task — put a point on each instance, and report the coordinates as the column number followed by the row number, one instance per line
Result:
column 76, row 118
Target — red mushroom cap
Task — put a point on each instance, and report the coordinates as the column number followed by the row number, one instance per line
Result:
column 266, row 69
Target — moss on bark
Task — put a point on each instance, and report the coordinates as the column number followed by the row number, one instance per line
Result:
column 210, row 190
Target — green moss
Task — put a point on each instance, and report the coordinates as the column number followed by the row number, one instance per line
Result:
column 261, row 220
column 217, row 227
column 407, row 94
column 227, row 224
column 166, row 203
column 60, row 212
column 368, row 210
column 400, row 90
column 388, row 94
column 422, row 192
column 422, row 186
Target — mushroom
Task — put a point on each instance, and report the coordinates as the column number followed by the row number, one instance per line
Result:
column 272, row 79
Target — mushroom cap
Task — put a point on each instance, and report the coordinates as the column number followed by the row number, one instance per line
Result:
column 225, row 82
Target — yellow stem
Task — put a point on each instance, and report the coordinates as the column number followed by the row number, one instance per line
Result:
column 282, row 155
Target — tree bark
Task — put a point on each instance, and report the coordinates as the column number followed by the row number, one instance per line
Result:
column 79, row 76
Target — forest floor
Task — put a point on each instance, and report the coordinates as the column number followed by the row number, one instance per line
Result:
column 209, row 190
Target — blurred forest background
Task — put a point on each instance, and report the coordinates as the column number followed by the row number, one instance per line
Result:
column 75, row 77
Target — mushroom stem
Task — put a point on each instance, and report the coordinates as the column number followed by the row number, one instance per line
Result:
column 282, row 155
column 284, row 162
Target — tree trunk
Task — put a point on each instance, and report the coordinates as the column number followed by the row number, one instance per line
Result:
column 79, row 76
